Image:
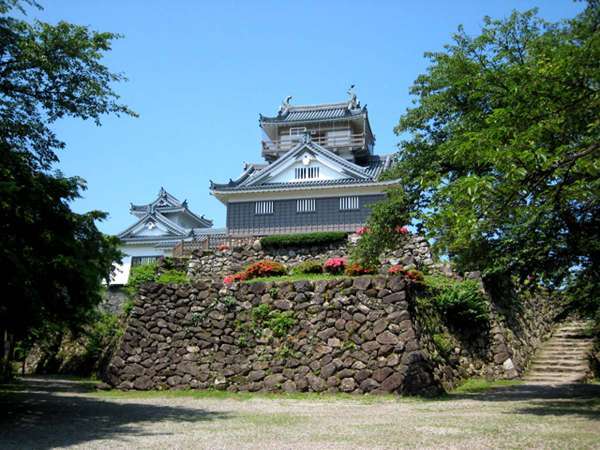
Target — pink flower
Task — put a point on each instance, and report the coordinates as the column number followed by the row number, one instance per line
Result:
column 362, row 230
column 334, row 265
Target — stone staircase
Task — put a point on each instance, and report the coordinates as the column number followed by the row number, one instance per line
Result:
column 563, row 358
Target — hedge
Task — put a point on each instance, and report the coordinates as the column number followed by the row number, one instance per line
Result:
column 303, row 239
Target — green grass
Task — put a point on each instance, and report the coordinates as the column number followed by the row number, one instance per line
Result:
column 478, row 385
column 298, row 277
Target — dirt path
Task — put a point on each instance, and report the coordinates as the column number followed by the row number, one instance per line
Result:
column 50, row 413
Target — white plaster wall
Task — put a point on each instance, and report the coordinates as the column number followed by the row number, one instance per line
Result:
column 121, row 273
column 289, row 174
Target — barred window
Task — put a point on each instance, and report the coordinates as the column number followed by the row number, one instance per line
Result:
column 141, row 260
column 349, row 203
column 265, row 207
column 305, row 205
column 304, row 173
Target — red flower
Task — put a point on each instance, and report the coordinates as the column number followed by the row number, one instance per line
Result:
column 240, row 276
column 357, row 269
column 397, row 269
column 402, row 230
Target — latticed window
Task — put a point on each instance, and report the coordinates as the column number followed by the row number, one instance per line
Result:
column 263, row 207
column 306, row 173
column 305, row 205
column 349, row 203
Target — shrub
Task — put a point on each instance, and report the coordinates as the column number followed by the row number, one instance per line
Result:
column 303, row 239
column 264, row 268
column 172, row 276
column 462, row 302
column 138, row 275
column 334, row 265
column 240, row 276
column 397, row 270
column 308, row 267
column 443, row 343
column 356, row 269
column 260, row 313
column 280, row 322
column 362, row 230
column 415, row 276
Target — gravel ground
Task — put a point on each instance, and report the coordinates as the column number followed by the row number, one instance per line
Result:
column 49, row 413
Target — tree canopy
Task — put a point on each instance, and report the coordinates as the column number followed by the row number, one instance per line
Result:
column 500, row 162
column 52, row 259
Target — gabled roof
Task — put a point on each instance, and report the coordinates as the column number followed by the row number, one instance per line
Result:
column 256, row 179
column 163, row 200
column 172, row 228
column 167, row 203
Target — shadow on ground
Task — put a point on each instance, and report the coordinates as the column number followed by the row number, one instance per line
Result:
column 34, row 416
column 579, row 399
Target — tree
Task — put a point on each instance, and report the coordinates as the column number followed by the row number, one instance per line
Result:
column 52, row 260
column 501, row 164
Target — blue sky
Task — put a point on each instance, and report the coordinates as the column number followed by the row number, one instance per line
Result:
column 201, row 72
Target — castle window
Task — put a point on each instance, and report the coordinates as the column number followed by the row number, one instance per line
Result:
column 307, row 173
column 349, row 203
column 141, row 260
column 305, row 205
column 262, row 208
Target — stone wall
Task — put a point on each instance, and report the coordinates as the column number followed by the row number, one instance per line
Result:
column 349, row 335
column 210, row 264
column 361, row 335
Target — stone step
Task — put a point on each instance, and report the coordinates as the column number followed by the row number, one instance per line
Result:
column 567, row 347
column 562, row 355
column 558, row 368
column 558, row 362
column 563, row 358
column 571, row 343
column 555, row 377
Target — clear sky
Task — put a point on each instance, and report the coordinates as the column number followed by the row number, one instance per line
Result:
column 200, row 73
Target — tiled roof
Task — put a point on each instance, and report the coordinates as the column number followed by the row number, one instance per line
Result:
column 315, row 112
column 377, row 164
column 167, row 203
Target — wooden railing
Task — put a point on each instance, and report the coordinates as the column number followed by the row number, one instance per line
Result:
column 210, row 242
column 352, row 140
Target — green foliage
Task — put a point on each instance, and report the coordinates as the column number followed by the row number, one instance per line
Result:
column 172, row 276
column 230, row 302
column 103, row 331
column 281, row 322
column 384, row 221
column 302, row 239
column 149, row 273
column 462, row 302
column 349, row 346
column 501, row 165
column 308, row 267
column 128, row 306
column 278, row 322
column 53, row 260
column 443, row 343
column 138, row 275
column 261, row 313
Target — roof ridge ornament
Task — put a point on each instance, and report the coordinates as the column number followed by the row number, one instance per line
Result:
column 353, row 103
column 285, row 105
